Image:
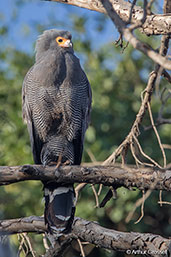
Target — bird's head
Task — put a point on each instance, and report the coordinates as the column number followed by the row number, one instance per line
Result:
column 53, row 40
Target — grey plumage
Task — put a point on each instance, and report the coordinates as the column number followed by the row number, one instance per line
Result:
column 56, row 107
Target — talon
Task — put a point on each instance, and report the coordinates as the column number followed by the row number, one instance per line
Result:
column 67, row 162
column 59, row 162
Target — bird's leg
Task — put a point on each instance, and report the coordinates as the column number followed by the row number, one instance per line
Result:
column 59, row 161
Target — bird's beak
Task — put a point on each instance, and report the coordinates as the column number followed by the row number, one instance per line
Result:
column 67, row 43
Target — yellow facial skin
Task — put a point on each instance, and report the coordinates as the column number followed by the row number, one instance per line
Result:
column 63, row 42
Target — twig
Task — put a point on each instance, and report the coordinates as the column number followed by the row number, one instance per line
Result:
column 137, row 204
column 157, row 83
column 158, row 123
column 137, row 161
column 160, row 197
column 166, row 146
column 146, row 156
column 93, row 159
column 100, row 189
column 119, row 41
column 142, row 209
column 20, row 249
column 81, row 247
column 45, row 242
column 134, row 132
column 164, row 202
column 91, row 155
column 128, row 35
column 78, row 188
column 149, row 12
column 29, row 245
column 166, row 75
column 131, row 9
column 141, row 22
column 96, row 196
column 157, row 135
column 107, row 197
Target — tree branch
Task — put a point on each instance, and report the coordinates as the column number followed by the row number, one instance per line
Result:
column 128, row 35
column 155, row 24
column 133, row 242
column 142, row 178
column 121, row 25
column 134, row 132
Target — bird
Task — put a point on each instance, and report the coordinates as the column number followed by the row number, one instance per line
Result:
column 56, row 106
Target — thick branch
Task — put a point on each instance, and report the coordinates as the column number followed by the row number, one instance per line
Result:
column 149, row 244
column 155, row 24
column 142, row 178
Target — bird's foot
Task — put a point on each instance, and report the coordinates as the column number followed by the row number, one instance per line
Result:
column 59, row 163
column 67, row 162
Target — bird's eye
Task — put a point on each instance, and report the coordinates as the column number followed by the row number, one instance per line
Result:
column 60, row 40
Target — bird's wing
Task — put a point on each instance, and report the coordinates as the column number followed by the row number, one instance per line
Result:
column 89, row 101
column 35, row 140
column 85, row 98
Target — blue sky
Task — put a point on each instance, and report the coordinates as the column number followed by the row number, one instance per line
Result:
column 22, row 18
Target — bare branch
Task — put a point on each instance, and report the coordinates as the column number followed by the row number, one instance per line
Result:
column 134, row 133
column 166, row 75
column 167, row 6
column 149, row 12
column 114, row 10
column 150, row 244
column 142, row 178
column 127, row 33
column 81, row 248
column 155, row 24
column 137, row 204
column 157, row 135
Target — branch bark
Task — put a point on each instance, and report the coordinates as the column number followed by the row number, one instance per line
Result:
column 114, row 14
column 142, row 178
column 155, row 24
column 89, row 231
column 128, row 35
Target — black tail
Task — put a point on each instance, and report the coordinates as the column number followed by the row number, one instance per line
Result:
column 59, row 207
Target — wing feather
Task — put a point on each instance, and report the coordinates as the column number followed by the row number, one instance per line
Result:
column 85, row 120
column 36, row 143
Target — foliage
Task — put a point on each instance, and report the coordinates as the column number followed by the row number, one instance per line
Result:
column 117, row 81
